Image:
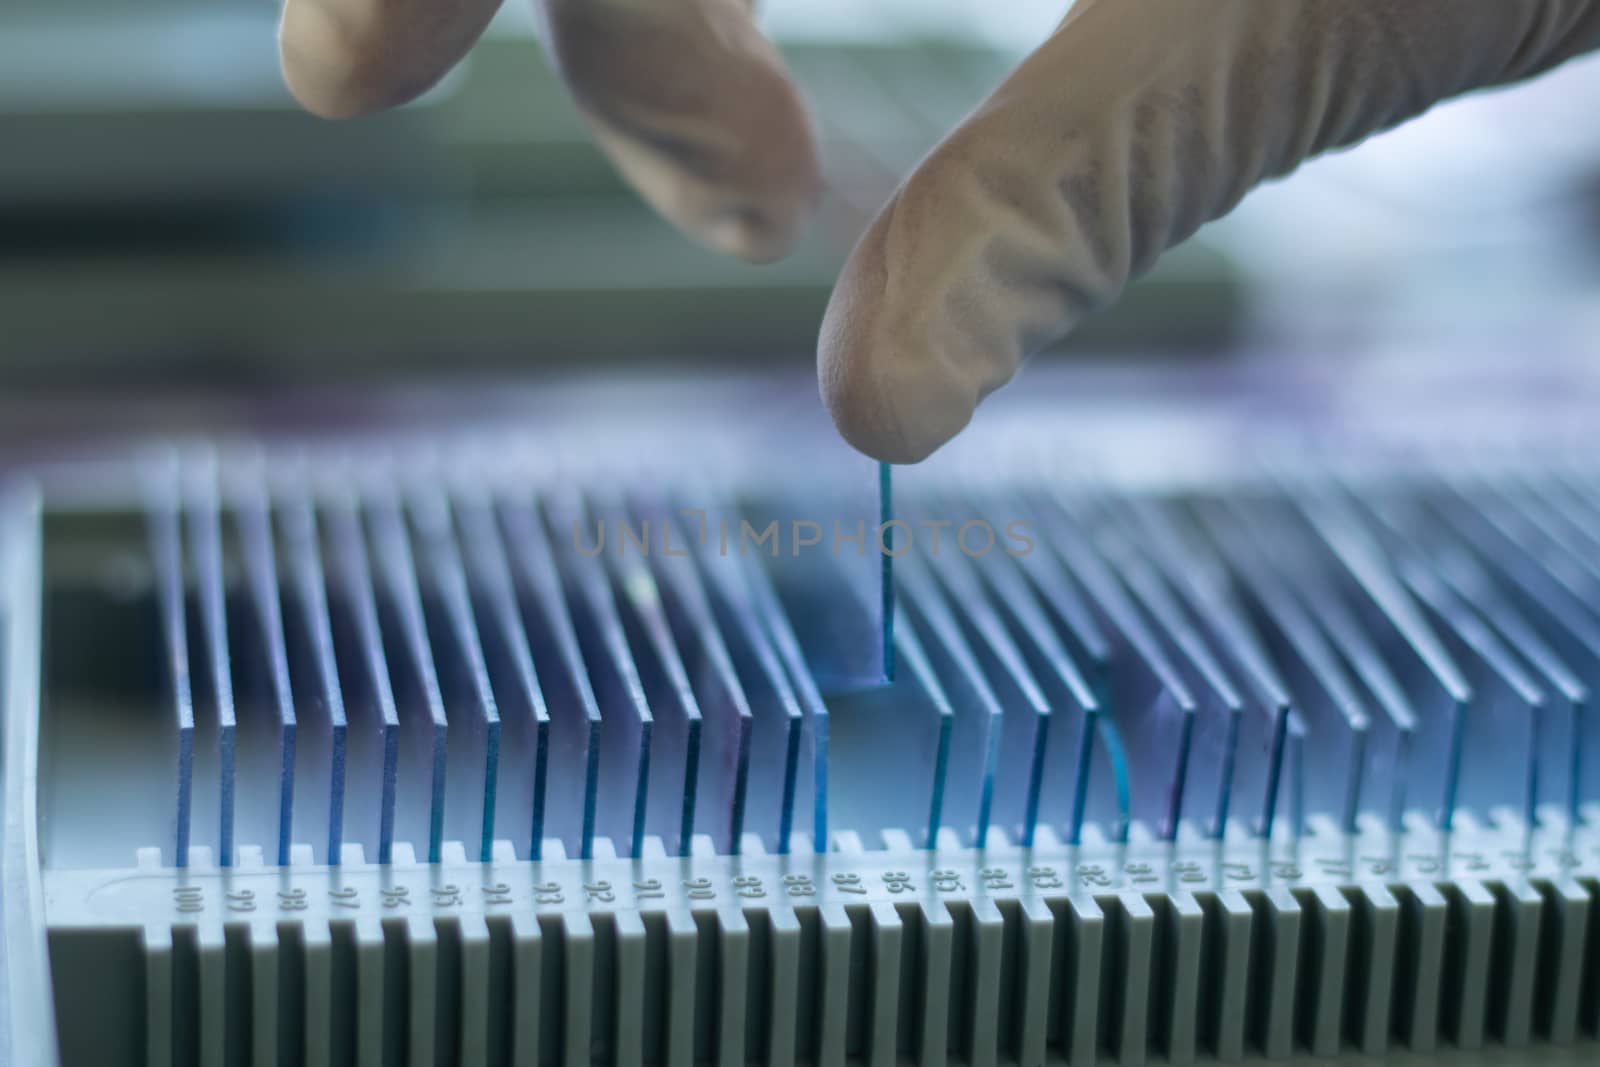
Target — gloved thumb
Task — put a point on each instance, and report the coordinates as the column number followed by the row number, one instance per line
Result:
column 1135, row 124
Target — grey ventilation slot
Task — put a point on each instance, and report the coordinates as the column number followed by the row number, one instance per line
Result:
column 1366, row 943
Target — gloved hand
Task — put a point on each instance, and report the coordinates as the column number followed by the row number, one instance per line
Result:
column 687, row 98
column 1134, row 124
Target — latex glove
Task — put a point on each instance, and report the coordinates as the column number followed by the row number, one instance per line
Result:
column 1138, row 121
column 687, row 98
column 1134, row 124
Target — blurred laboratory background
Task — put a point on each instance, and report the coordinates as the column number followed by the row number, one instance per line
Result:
column 168, row 216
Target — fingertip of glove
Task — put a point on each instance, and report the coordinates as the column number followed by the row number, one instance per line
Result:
column 696, row 110
column 763, row 233
column 332, row 74
column 891, row 395
column 743, row 188
column 753, row 236
column 904, row 421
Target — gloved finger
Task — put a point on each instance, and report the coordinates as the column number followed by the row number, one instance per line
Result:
column 343, row 58
column 694, row 107
column 1137, row 122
